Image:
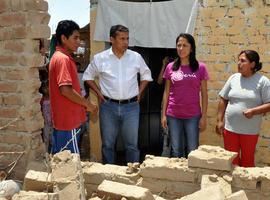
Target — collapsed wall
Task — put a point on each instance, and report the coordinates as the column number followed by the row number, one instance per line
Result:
column 159, row 177
column 22, row 24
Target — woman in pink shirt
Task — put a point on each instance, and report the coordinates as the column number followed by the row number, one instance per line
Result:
column 186, row 81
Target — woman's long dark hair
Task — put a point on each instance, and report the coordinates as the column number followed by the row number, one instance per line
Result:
column 193, row 63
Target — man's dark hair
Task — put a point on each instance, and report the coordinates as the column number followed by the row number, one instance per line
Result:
column 66, row 28
column 117, row 28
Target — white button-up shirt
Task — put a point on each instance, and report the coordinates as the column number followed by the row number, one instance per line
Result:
column 118, row 77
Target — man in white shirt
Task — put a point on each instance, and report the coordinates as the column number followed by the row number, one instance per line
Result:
column 119, row 93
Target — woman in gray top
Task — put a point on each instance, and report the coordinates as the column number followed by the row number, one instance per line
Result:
column 244, row 99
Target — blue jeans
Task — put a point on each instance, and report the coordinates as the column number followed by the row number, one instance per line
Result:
column 184, row 134
column 119, row 118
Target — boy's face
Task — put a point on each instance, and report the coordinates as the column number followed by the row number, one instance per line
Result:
column 72, row 42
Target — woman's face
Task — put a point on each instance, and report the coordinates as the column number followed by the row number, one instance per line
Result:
column 183, row 48
column 245, row 67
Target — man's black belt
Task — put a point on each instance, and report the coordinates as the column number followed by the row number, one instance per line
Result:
column 124, row 101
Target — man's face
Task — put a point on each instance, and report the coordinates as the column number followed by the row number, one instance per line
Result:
column 120, row 41
column 72, row 42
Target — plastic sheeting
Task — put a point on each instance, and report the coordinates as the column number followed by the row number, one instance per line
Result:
column 151, row 24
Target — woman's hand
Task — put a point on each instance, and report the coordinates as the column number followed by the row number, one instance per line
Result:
column 164, row 121
column 202, row 124
column 220, row 127
column 248, row 113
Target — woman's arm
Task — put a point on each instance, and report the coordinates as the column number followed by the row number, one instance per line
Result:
column 164, row 64
column 222, row 105
column 204, row 98
column 262, row 109
column 165, row 103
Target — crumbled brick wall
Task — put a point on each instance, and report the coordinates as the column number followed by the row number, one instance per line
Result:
column 22, row 23
column 223, row 29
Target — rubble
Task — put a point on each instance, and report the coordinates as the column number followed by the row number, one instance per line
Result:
column 156, row 178
column 211, row 157
column 116, row 190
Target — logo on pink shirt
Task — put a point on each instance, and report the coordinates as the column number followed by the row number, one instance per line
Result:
column 179, row 75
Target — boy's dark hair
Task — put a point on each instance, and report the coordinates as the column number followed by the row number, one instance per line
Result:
column 117, row 28
column 66, row 28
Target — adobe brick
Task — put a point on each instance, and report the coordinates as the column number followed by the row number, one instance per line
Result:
column 225, row 22
column 205, row 12
column 215, row 85
column 6, row 112
column 31, row 125
column 12, row 99
column 117, row 190
column 212, row 94
column 211, row 157
column 240, row 22
column 15, row 75
column 240, row 4
column 245, row 178
column 37, row 18
column 171, row 188
column 256, row 22
column 3, row 5
column 24, row 195
column 238, row 39
column 14, row 46
column 210, row 22
column 249, row 31
column 251, row 12
column 7, row 60
column 95, row 173
column 211, row 3
column 30, row 59
column 37, row 181
column 234, row 12
column 174, row 169
column 12, row 19
column 28, row 5
column 209, row 193
column 234, row 30
column 13, row 138
column 8, row 86
column 31, row 32
column 219, row 31
column 210, row 180
column 10, row 148
column 218, row 12
column 265, row 11
column 240, row 195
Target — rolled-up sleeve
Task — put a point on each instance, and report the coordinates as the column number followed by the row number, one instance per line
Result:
column 91, row 71
column 226, row 89
column 265, row 90
column 145, row 72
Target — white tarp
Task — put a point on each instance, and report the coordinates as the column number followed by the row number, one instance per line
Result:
column 151, row 24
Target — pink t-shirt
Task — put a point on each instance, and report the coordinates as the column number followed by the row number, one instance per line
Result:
column 184, row 94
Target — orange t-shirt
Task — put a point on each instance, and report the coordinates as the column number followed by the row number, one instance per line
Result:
column 66, row 115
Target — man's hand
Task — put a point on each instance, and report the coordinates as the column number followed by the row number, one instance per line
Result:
column 92, row 107
column 101, row 98
column 138, row 98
